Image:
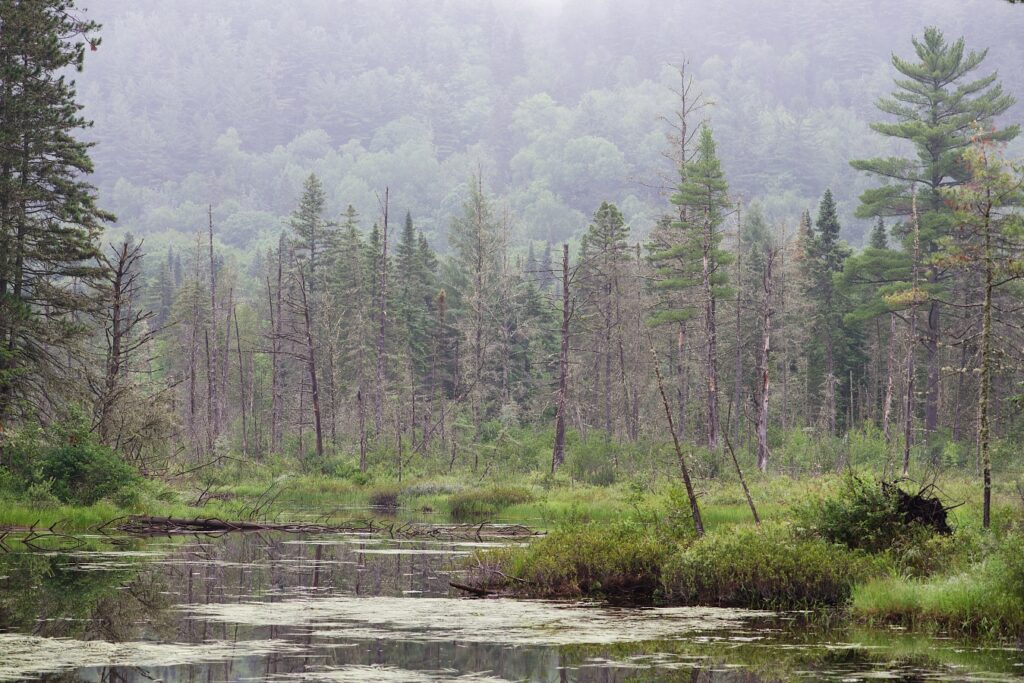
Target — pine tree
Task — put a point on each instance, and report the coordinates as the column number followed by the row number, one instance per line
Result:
column 49, row 220
column 936, row 108
column 477, row 242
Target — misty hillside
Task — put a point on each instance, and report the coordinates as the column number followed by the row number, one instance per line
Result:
column 559, row 104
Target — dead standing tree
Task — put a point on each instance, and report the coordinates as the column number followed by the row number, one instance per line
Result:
column 126, row 332
column 568, row 309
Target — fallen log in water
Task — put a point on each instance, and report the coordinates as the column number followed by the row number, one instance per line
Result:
column 145, row 525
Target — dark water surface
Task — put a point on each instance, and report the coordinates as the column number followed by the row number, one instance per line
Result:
column 283, row 607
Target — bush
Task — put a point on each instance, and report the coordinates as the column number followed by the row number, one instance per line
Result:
column 863, row 515
column 482, row 503
column 84, row 472
column 769, row 567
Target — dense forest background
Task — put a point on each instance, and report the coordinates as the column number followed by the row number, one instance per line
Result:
column 559, row 105
column 358, row 238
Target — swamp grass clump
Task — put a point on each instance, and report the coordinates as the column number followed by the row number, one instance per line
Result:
column 771, row 567
column 612, row 561
column 385, row 497
column 478, row 504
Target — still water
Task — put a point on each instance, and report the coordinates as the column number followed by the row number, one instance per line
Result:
column 285, row 607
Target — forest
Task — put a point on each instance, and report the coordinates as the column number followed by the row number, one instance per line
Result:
column 726, row 312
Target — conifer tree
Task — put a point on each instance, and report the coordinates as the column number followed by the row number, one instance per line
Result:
column 825, row 258
column 879, row 238
column 603, row 257
column 936, row 106
column 49, row 220
column 688, row 255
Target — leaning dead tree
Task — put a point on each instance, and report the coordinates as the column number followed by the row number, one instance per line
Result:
column 698, row 523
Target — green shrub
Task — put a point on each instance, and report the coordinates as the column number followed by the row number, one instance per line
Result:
column 769, row 567
column 482, row 503
column 863, row 515
column 85, row 472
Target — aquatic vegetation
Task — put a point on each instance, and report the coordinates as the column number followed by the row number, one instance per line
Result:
column 385, row 497
column 25, row 655
column 507, row 621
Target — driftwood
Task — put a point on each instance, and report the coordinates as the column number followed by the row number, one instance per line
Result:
column 141, row 525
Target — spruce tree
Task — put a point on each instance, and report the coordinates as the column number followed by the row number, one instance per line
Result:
column 826, row 254
column 49, row 220
column 603, row 258
column 688, row 255
column 312, row 233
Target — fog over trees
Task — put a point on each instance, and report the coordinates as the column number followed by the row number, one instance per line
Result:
column 559, row 105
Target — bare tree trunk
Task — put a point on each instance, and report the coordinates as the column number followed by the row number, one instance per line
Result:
column 277, row 370
column 332, row 388
column 361, row 407
column 214, row 410
column 558, row 454
column 712, row 338
column 908, row 408
column 380, row 389
column 224, row 363
column 311, row 365
column 209, row 394
column 683, row 378
column 607, row 353
column 931, row 400
column 985, row 387
column 764, row 364
column 738, row 365
column 890, row 371
column 241, row 385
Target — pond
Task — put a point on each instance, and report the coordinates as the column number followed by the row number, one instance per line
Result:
column 346, row 607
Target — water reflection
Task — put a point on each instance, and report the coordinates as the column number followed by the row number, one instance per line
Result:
column 349, row 608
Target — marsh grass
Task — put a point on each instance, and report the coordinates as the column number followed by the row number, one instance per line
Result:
column 479, row 504
column 985, row 599
column 613, row 561
column 771, row 567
